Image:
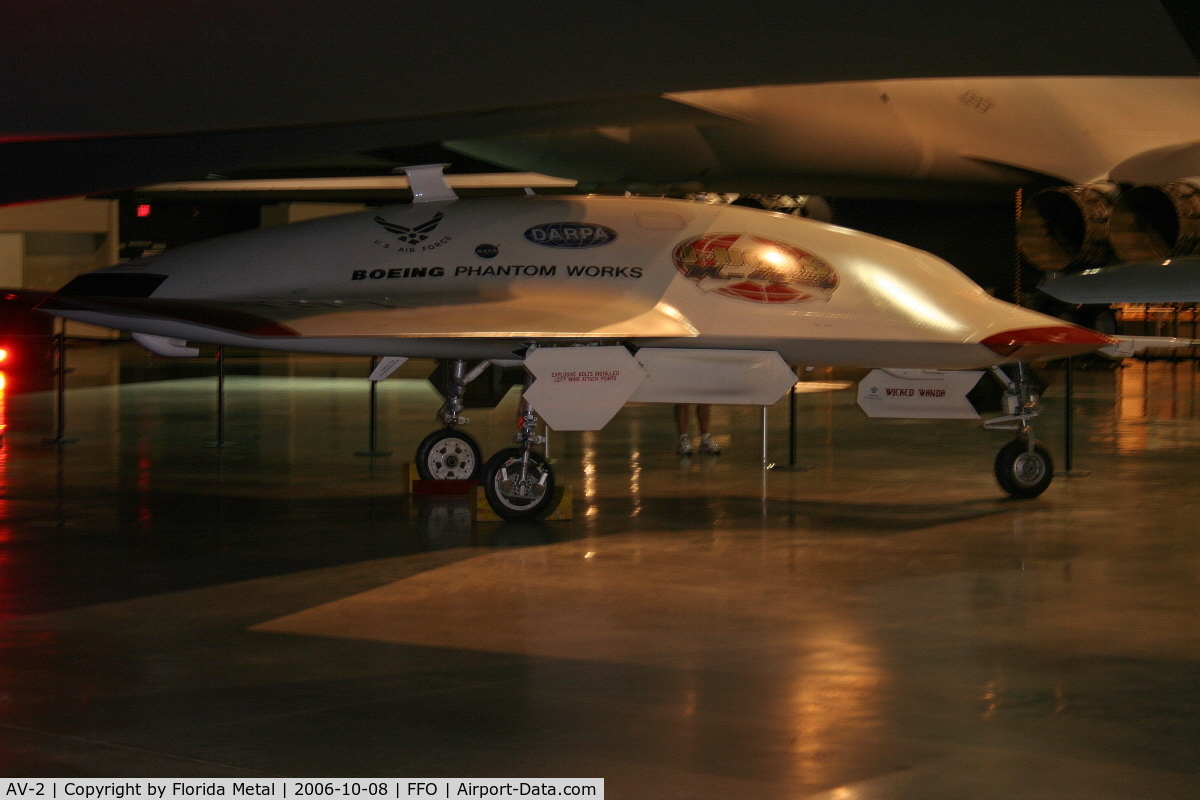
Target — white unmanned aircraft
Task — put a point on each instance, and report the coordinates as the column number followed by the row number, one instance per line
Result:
column 601, row 299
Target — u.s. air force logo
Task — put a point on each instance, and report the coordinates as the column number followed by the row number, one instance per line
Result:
column 414, row 235
column 754, row 268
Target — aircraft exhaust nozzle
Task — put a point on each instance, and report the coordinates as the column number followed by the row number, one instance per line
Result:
column 1046, row 342
column 1157, row 222
column 1067, row 227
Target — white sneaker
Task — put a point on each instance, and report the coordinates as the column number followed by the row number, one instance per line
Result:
column 685, row 445
column 708, row 446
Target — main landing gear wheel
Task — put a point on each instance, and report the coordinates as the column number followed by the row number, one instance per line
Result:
column 1023, row 473
column 515, row 490
column 447, row 455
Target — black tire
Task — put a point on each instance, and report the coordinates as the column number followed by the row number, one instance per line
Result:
column 449, row 454
column 1021, row 473
column 512, row 498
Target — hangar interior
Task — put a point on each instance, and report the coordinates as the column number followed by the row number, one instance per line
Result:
column 868, row 618
column 229, row 571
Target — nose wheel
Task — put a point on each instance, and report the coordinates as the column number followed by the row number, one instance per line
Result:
column 1022, row 470
column 1023, row 467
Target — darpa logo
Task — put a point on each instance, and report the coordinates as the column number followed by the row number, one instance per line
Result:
column 572, row 235
column 748, row 267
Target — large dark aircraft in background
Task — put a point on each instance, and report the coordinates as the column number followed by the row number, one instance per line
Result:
column 929, row 101
column 102, row 96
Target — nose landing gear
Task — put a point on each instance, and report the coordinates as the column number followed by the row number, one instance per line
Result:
column 1023, row 467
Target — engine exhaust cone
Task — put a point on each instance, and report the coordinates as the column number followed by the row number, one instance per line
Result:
column 1156, row 222
column 1066, row 228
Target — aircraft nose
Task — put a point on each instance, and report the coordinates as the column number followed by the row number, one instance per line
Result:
column 1046, row 342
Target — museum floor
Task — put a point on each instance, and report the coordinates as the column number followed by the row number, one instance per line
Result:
column 878, row 623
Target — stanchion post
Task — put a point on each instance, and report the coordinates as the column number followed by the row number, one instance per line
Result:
column 60, row 393
column 792, row 426
column 220, row 396
column 766, row 464
column 372, row 451
column 1069, row 426
column 220, row 440
column 1069, row 417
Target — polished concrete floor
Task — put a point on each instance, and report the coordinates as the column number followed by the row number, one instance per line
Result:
column 876, row 623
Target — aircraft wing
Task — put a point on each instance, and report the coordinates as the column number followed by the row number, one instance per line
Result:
column 1160, row 164
column 568, row 315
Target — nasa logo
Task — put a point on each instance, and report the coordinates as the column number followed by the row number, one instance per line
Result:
column 487, row 251
column 753, row 268
column 573, row 235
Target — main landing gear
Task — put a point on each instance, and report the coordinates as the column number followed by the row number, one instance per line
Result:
column 518, row 481
column 451, row 454
column 1023, row 467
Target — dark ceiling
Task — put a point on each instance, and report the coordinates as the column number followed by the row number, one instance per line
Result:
column 105, row 95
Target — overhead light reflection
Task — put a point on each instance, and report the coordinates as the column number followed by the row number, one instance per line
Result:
column 589, row 464
column 774, row 257
column 635, row 480
column 5, row 503
column 811, row 387
column 910, row 300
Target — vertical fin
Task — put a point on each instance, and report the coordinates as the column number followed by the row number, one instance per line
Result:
column 428, row 184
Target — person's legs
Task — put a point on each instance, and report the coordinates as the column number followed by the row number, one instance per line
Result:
column 681, row 426
column 681, row 418
column 703, row 415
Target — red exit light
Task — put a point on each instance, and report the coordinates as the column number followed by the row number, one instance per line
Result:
column 144, row 209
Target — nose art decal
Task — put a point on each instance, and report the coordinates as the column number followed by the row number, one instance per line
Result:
column 755, row 269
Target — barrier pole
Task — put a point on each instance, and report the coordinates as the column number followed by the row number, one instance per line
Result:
column 60, row 411
column 372, row 450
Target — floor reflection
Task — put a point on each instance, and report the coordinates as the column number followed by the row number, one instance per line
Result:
column 880, row 624
column 1157, row 406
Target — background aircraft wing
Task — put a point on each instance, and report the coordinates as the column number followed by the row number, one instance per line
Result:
column 1175, row 280
column 97, row 99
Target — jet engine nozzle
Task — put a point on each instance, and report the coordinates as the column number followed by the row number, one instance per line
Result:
column 1157, row 222
column 1046, row 342
column 1067, row 227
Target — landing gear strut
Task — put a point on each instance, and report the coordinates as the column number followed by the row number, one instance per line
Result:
column 518, row 482
column 451, row 454
column 1023, row 467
